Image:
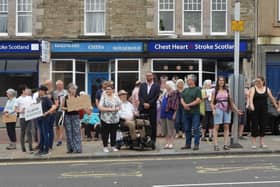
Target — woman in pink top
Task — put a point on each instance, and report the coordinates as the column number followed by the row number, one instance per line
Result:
column 222, row 105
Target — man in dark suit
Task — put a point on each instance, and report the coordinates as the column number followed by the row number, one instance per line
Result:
column 148, row 94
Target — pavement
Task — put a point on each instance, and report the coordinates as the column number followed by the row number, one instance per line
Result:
column 210, row 171
column 94, row 150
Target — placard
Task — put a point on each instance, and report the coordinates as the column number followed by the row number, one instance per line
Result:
column 33, row 111
column 11, row 118
column 78, row 103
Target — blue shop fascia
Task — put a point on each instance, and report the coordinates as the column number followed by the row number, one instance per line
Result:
column 19, row 64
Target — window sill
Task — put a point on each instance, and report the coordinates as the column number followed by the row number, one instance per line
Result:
column 218, row 33
column 94, row 34
column 3, row 34
column 192, row 34
column 23, row 34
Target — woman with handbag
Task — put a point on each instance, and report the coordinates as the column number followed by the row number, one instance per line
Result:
column 8, row 111
column 109, row 106
column 72, row 123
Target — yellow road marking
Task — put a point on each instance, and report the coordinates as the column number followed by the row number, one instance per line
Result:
column 137, row 159
column 216, row 170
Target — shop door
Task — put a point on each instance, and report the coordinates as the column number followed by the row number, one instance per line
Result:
column 95, row 80
column 273, row 77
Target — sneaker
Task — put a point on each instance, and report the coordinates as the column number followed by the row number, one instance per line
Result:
column 226, row 147
column 210, row 139
column 196, row 147
column 216, row 148
column 166, row 146
column 263, row 146
column 115, row 149
column 11, row 147
column 59, row 143
column 254, row 147
column 203, row 139
column 186, row 147
column 170, row 146
column 106, row 150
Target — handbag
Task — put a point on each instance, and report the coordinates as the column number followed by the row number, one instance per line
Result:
column 61, row 119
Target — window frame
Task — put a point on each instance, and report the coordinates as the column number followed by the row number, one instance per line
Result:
column 17, row 15
column 278, row 11
column 85, row 20
column 183, row 20
column 211, row 20
column 5, row 12
column 174, row 19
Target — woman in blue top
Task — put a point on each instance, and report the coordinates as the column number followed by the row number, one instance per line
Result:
column 90, row 119
column 8, row 110
column 169, row 106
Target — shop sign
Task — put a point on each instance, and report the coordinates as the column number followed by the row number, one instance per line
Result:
column 195, row 46
column 101, row 47
column 19, row 47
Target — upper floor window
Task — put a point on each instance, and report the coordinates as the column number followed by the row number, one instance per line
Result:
column 95, row 17
column 192, row 22
column 3, row 17
column 166, row 21
column 278, row 16
column 218, row 17
column 24, row 17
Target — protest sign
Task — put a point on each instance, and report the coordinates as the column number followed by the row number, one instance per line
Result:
column 33, row 111
column 78, row 103
column 11, row 118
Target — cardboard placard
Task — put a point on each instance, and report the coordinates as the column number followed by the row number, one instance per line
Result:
column 78, row 103
column 11, row 118
column 33, row 111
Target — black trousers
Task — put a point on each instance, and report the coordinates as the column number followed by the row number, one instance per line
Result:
column 109, row 130
column 11, row 130
column 259, row 121
column 153, row 121
column 88, row 130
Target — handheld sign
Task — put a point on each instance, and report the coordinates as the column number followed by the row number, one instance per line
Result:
column 78, row 103
column 33, row 111
column 11, row 118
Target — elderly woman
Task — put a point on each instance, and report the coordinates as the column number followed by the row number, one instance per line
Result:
column 179, row 122
column 109, row 106
column 10, row 110
column 169, row 106
column 72, row 123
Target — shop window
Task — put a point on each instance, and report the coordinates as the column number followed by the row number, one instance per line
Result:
column 218, row 17
column 166, row 21
column 3, row 17
column 22, row 65
column 80, row 81
column 80, row 66
column 65, row 77
column 210, row 76
column 209, row 66
column 175, row 65
column 95, row 17
column 128, row 65
column 192, row 17
column 2, row 65
column 24, row 17
column 62, row 65
column 126, row 81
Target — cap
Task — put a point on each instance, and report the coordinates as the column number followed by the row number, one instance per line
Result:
column 122, row 92
column 43, row 88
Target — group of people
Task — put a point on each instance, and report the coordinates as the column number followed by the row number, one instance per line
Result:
column 176, row 106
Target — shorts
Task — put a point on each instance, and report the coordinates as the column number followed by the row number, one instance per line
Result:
column 222, row 117
column 167, row 128
column 242, row 119
column 57, row 117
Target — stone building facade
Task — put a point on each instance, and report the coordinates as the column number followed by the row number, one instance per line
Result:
column 130, row 42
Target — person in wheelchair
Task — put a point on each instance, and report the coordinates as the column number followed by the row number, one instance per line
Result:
column 127, row 114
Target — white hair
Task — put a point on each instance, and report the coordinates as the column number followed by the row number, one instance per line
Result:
column 207, row 82
column 171, row 84
column 179, row 81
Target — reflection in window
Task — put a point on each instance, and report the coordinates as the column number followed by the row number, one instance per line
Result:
column 192, row 16
column 166, row 15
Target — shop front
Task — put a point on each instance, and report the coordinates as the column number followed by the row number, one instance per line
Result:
column 87, row 64
column 19, row 64
column 207, row 59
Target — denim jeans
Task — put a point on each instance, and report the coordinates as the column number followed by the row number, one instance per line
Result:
column 43, row 124
column 192, row 121
column 179, row 122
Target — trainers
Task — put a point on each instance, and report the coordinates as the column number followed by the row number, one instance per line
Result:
column 254, row 147
column 186, row 147
column 216, row 148
column 170, row 146
column 226, row 147
column 210, row 139
column 115, row 149
column 263, row 146
column 196, row 147
column 106, row 150
column 59, row 143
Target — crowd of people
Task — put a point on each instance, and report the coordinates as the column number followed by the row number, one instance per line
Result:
column 176, row 108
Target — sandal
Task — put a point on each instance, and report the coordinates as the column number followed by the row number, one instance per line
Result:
column 216, row 148
column 226, row 147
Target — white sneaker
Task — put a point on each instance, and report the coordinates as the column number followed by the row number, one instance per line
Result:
column 115, row 149
column 106, row 150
